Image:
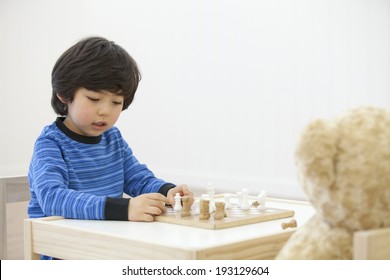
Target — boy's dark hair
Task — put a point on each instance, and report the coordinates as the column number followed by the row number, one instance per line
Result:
column 96, row 64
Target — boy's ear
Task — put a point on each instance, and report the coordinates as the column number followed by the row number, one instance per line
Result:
column 62, row 99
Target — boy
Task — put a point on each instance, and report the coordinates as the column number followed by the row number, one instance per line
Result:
column 81, row 165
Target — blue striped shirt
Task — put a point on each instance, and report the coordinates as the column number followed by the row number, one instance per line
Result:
column 82, row 177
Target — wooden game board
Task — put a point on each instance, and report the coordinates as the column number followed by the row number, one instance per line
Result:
column 235, row 217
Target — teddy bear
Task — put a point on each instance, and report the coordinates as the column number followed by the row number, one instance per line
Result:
column 344, row 168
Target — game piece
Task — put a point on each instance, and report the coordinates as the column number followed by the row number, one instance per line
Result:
column 210, row 193
column 195, row 207
column 177, row 206
column 210, row 190
column 227, row 200
column 211, row 206
column 290, row 224
column 186, row 206
column 262, row 198
column 205, row 196
column 219, row 210
column 255, row 203
column 239, row 199
column 204, row 210
column 244, row 200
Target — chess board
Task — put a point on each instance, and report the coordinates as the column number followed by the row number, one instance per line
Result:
column 234, row 216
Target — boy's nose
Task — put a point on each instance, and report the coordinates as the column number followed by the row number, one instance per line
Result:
column 103, row 111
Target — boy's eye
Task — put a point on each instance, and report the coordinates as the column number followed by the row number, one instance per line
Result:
column 117, row 102
column 93, row 99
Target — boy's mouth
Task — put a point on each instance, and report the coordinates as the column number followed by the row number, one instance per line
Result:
column 99, row 125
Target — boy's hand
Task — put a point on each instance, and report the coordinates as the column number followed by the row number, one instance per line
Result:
column 182, row 190
column 144, row 207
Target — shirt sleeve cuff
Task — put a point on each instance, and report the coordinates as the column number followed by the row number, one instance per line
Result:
column 165, row 188
column 116, row 209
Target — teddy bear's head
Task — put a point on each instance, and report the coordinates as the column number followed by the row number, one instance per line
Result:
column 344, row 167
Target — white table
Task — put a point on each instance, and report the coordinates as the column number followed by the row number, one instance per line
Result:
column 88, row 239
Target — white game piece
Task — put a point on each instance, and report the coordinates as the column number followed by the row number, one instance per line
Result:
column 211, row 206
column 227, row 200
column 239, row 199
column 245, row 199
column 195, row 208
column 262, row 198
column 210, row 190
column 177, row 207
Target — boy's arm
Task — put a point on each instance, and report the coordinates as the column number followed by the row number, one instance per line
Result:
column 139, row 179
column 49, row 187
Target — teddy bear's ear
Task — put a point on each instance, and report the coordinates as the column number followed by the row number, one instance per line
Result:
column 315, row 155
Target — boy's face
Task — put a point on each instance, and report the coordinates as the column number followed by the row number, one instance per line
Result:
column 91, row 113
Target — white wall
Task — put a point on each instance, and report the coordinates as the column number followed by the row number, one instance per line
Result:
column 227, row 85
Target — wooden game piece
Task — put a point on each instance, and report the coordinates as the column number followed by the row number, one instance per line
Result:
column 255, row 203
column 211, row 206
column 204, row 210
column 219, row 210
column 290, row 224
column 186, row 206
column 177, row 207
